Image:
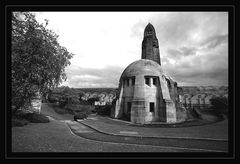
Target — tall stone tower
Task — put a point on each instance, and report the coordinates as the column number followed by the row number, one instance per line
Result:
column 150, row 47
column 145, row 93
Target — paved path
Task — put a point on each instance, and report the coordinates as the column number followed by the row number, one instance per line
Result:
column 187, row 145
column 217, row 130
column 65, row 135
column 57, row 137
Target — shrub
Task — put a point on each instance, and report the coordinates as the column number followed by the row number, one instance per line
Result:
column 36, row 118
column 219, row 105
column 92, row 100
column 80, row 115
column 104, row 110
column 60, row 110
column 64, row 95
column 73, row 108
column 194, row 112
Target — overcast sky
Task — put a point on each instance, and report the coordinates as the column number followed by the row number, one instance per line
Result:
column 193, row 45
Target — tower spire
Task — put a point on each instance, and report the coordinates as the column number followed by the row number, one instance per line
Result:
column 150, row 47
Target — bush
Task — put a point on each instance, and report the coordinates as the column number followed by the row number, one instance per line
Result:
column 60, row 110
column 219, row 105
column 36, row 118
column 64, row 95
column 104, row 110
column 73, row 108
column 92, row 100
column 80, row 115
column 194, row 113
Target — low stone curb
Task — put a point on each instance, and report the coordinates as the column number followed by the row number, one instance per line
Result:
column 160, row 137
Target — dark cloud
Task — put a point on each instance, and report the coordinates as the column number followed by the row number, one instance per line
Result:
column 214, row 41
column 216, row 77
column 175, row 28
column 210, row 69
column 171, row 28
column 197, row 62
column 173, row 53
column 182, row 51
column 187, row 51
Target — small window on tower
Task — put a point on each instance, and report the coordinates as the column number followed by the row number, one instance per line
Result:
column 154, row 81
column 127, row 82
column 151, row 107
column 133, row 81
column 147, row 81
column 129, row 105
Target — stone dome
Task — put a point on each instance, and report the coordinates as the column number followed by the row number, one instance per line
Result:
column 142, row 67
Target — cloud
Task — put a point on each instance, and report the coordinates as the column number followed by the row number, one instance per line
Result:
column 215, row 41
column 173, row 28
column 173, row 53
column 137, row 29
column 181, row 52
column 80, row 77
column 188, row 28
column 187, row 51
column 193, row 45
column 198, row 77
column 203, row 69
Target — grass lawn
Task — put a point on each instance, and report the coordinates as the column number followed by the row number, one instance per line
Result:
column 218, row 130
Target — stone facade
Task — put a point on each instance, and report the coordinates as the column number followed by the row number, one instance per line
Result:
column 146, row 94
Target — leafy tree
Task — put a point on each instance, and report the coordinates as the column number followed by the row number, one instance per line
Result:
column 65, row 95
column 80, row 95
column 92, row 100
column 38, row 61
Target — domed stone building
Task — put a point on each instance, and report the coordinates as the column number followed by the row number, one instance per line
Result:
column 146, row 94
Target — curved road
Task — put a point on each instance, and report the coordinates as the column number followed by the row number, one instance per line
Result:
column 63, row 134
column 56, row 136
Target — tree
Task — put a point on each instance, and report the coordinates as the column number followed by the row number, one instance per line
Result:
column 38, row 61
column 92, row 100
column 67, row 96
column 80, row 95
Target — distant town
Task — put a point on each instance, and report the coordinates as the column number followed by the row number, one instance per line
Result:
column 194, row 95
